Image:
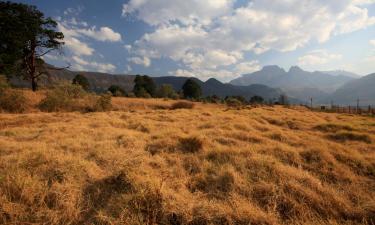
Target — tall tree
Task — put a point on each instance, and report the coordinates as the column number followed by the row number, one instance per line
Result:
column 191, row 89
column 142, row 84
column 26, row 36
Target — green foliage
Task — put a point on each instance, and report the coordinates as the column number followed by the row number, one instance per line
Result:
column 233, row 102
column 256, row 99
column 144, row 86
column 237, row 97
column 103, row 103
column 26, row 36
column 82, row 81
column 3, row 83
column 64, row 97
column 12, row 101
column 191, row 89
column 166, row 91
column 213, row 99
column 117, row 91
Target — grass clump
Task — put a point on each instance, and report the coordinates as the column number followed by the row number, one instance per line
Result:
column 331, row 127
column 350, row 136
column 217, row 184
column 103, row 103
column 190, row 144
column 12, row 101
column 182, row 105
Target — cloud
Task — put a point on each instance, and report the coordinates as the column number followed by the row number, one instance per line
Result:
column 146, row 62
column 81, row 64
column 211, row 37
column 102, row 34
column 372, row 42
column 78, row 47
column 156, row 12
column 247, row 67
column 318, row 57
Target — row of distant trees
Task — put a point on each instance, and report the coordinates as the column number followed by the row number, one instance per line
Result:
column 145, row 87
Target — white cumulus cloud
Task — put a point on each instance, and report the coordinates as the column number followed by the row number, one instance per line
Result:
column 210, row 37
column 318, row 57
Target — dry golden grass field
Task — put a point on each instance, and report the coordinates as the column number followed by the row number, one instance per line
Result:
column 143, row 163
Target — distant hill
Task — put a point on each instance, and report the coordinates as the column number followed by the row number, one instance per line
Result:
column 275, row 76
column 298, row 83
column 99, row 82
column 362, row 88
column 341, row 73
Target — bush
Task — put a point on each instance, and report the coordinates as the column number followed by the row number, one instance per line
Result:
column 166, row 91
column 64, row 97
column 3, row 83
column 233, row 102
column 103, row 103
column 191, row 144
column 12, row 101
column 182, row 105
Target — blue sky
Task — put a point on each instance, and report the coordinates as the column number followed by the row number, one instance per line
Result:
column 213, row 38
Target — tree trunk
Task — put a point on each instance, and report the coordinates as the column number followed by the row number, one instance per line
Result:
column 34, row 85
column 32, row 74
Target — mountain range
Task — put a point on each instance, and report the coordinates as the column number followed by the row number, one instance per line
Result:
column 100, row 82
column 338, row 86
column 270, row 82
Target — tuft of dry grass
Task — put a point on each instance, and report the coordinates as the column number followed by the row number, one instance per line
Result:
column 182, row 105
column 144, row 164
column 190, row 144
column 350, row 136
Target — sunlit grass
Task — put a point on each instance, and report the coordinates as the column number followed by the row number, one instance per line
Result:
column 146, row 164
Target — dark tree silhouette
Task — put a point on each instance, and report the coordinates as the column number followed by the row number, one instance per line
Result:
column 82, row 81
column 144, row 84
column 256, row 99
column 26, row 36
column 191, row 89
column 116, row 90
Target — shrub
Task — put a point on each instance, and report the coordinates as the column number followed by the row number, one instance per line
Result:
column 63, row 97
column 3, row 83
column 233, row 102
column 166, row 91
column 182, row 105
column 103, row 103
column 191, row 144
column 12, row 101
